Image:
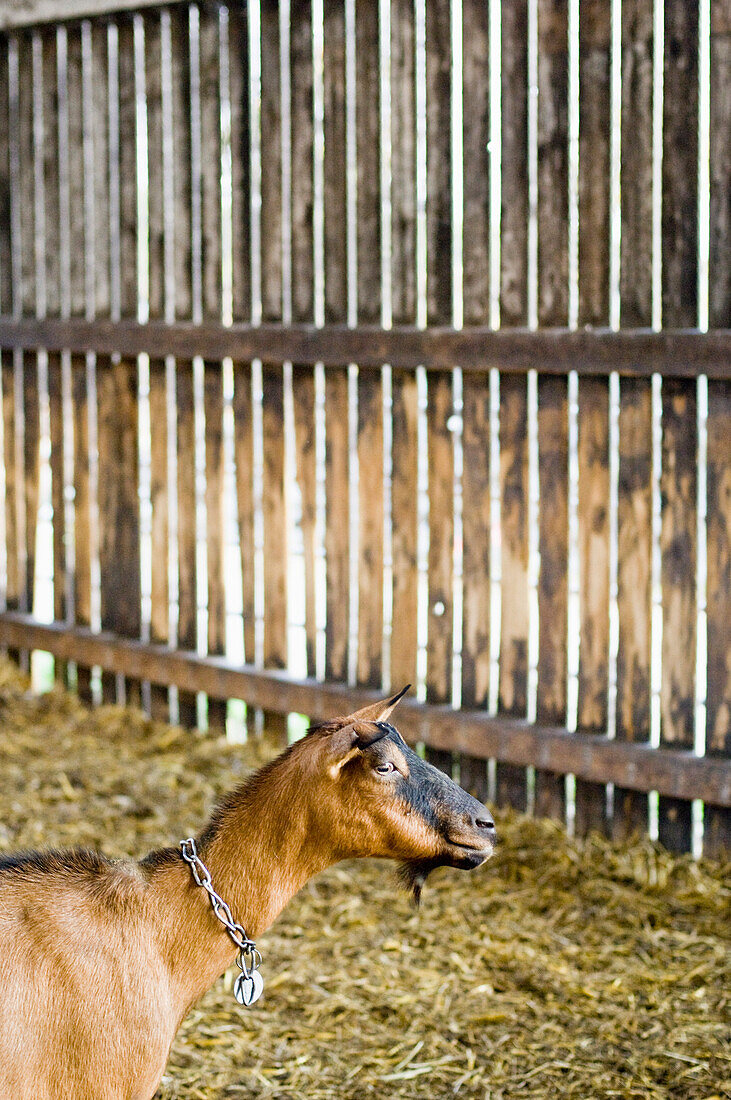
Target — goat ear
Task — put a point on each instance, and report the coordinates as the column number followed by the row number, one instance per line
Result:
column 343, row 747
column 378, row 712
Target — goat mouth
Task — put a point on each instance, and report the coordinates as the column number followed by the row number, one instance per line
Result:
column 468, row 855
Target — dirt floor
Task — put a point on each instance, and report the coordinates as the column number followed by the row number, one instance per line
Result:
column 561, row 969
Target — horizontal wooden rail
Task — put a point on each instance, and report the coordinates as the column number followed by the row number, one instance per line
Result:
column 25, row 13
column 636, row 352
column 638, row 767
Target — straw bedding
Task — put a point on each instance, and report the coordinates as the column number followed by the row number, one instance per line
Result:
column 562, row 968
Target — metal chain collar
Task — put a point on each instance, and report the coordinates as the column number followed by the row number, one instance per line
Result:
column 249, row 984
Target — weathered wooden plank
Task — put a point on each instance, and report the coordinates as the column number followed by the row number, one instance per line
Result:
column 303, row 394
column 119, row 529
column 82, row 512
column 636, row 161
column 6, row 303
column 127, row 170
column 403, row 164
column 155, row 172
column 719, row 267
column 678, row 486
column 593, row 520
column 187, row 635
column 31, row 462
column 368, row 143
column 23, row 13
column 241, row 181
column 553, row 159
column 244, row 461
column 22, row 174
column 717, row 821
column 275, row 523
column 334, row 198
column 595, row 32
column 271, row 164
column 634, row 588
column 438, row 164
column 404, row 504
column 634, row 353
column 215, row 524
column 370, row 542
column 553, row 477
column 160, row 523
column 182, row 158
column 337, row 525
column 679, row 164
column 210, row 167
column 56, row 464
column 476, row 162
column 440, row 405
column 514, row 193
column 476, row 535
column 92, row 191
column 680, row 774
column 50, row 167
column 12, row 580
column 513, row 690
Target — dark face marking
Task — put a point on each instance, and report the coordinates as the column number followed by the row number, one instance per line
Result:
column 463, row 825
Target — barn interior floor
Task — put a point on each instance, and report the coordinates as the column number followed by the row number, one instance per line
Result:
column 563, row 968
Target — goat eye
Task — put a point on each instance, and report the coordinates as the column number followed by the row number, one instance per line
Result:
column 384, row 769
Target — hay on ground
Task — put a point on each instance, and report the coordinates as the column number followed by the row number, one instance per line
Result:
column 563, row 968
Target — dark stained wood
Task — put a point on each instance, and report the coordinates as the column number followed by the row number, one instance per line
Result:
column 275, row 526
column 404, row 504
column 271, row 166
column 553, row 159
column 634, row 588
column 155, row 181
column 22, row 176
column 514, row 214
column 12, row 582
column 403, row 165
column 368, row 144
column 475, row 563
column 720, row 166
column 593, row 517
column 127, row 169
column 717, row 821
column 50, row 165
column 335, row 212
column 678, row 486
column 594, row 164
column 187, row 636
column 303, row 394
column 119, row 529
column 337, row 525
column 634, row 354
column 513, row 694
column 370, row 543
column 301, row 77
column 215, row 524
column 438, row 163
column 182, row 183
column 680, row 164
column 244, row 461
column 82, row 512
column 636, row 160
column 210, row 144
column 6, row 282
column 94, row 295
column 160, row 526
column 476, row 161
column 238, row 63
column 680, row 774
column 553, row 477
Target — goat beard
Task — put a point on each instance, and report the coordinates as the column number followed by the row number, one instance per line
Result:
column 413, row 875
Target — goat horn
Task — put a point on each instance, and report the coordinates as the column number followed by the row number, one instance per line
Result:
column 378, row 712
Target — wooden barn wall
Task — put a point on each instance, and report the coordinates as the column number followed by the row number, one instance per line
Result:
column 543, row 539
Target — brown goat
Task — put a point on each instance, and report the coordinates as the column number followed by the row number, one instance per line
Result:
column 101, row 960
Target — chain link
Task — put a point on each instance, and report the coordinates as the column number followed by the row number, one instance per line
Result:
column 236, row 931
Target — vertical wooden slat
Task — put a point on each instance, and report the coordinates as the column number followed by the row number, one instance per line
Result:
column 678, row 486
column 215, row 525
column 12, row 583
column 593, row 517
column 337, row 507
column 50, row 173
column 302, row 193
column 119, row 543
column 238, row 63
column 275, row 527
column 82, row 510
column 717, row 820
column 337, row 512
column 553, row 466
column 244, row 461
column 127, row 169
column 720, row 166
column 514, row 136
column 25, row 294
column 513, row 693
column 370, row 387
column 271, row 164
column 405, row 528
column 303, row 396
column 634, row 588
column 476, row 563
column 56, row 421
column 441, row 540
column 636, row 161
column 95, row 289
column 187, row 637
column 679, row 426
column 370, row 512
column 404, row 449
column 595, row 33
column 476, row 160
column 6, row 304
column 553, row 150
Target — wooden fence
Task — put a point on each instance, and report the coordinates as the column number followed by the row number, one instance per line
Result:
column 364, row 343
